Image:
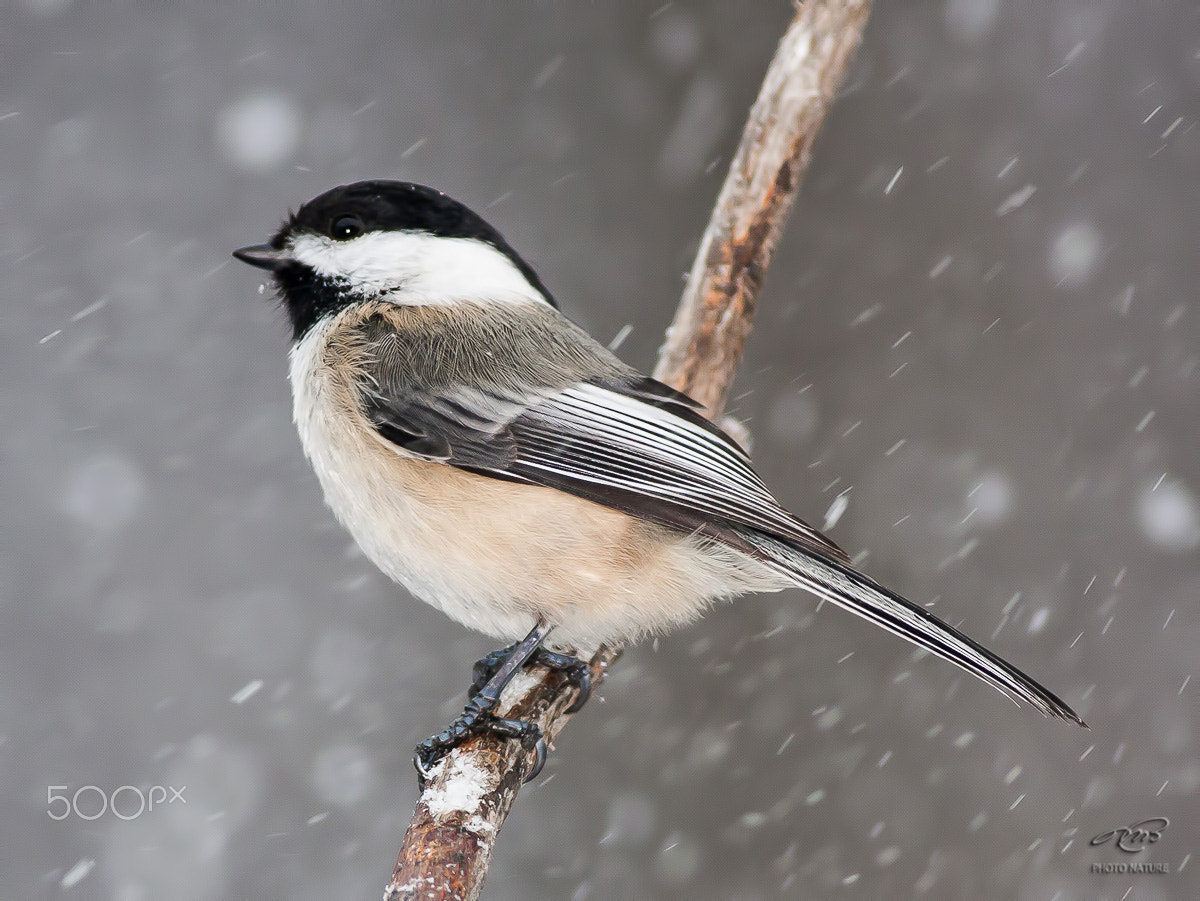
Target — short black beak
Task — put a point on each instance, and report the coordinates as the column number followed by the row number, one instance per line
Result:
column 263, row 256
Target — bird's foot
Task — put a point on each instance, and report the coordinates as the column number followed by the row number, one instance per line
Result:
column 479, row 718
column 490, row 677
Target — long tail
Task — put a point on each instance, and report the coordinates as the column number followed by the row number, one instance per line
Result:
column 848, row 588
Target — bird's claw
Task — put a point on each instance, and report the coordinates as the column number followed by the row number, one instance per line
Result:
column 477, row 719
column 479, row 716
column 576, row 672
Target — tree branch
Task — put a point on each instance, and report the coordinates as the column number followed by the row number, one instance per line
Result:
column 704, row 343
column 449, row 841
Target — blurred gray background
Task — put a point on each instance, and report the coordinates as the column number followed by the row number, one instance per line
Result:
column 979, row 327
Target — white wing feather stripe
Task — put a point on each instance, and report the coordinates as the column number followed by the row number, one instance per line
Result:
column 707, row 505
column 673, row 439
column 669, row 468
column 688, row 457
column 629, row 475
column 674, row 460
column 635, row 417
column 629, row 472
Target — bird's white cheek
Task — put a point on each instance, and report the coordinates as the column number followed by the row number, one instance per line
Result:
column 361, row 262
column 421, row 268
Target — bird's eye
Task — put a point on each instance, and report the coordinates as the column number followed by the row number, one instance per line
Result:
column 346, row 227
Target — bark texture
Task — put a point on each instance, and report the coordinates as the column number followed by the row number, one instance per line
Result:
column 704, row 343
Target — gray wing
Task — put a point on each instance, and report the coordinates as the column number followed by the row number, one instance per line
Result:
column 624, row 441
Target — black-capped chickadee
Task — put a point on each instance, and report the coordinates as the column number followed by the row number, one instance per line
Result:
column 490, row 456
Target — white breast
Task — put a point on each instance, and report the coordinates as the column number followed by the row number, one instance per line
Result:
column 363, row 483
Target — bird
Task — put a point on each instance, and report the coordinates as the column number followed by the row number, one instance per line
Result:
column 489, row 455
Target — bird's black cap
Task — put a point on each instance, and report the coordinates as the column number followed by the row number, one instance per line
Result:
column 382, row 205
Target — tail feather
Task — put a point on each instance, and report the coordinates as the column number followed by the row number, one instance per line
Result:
column 852, row 590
